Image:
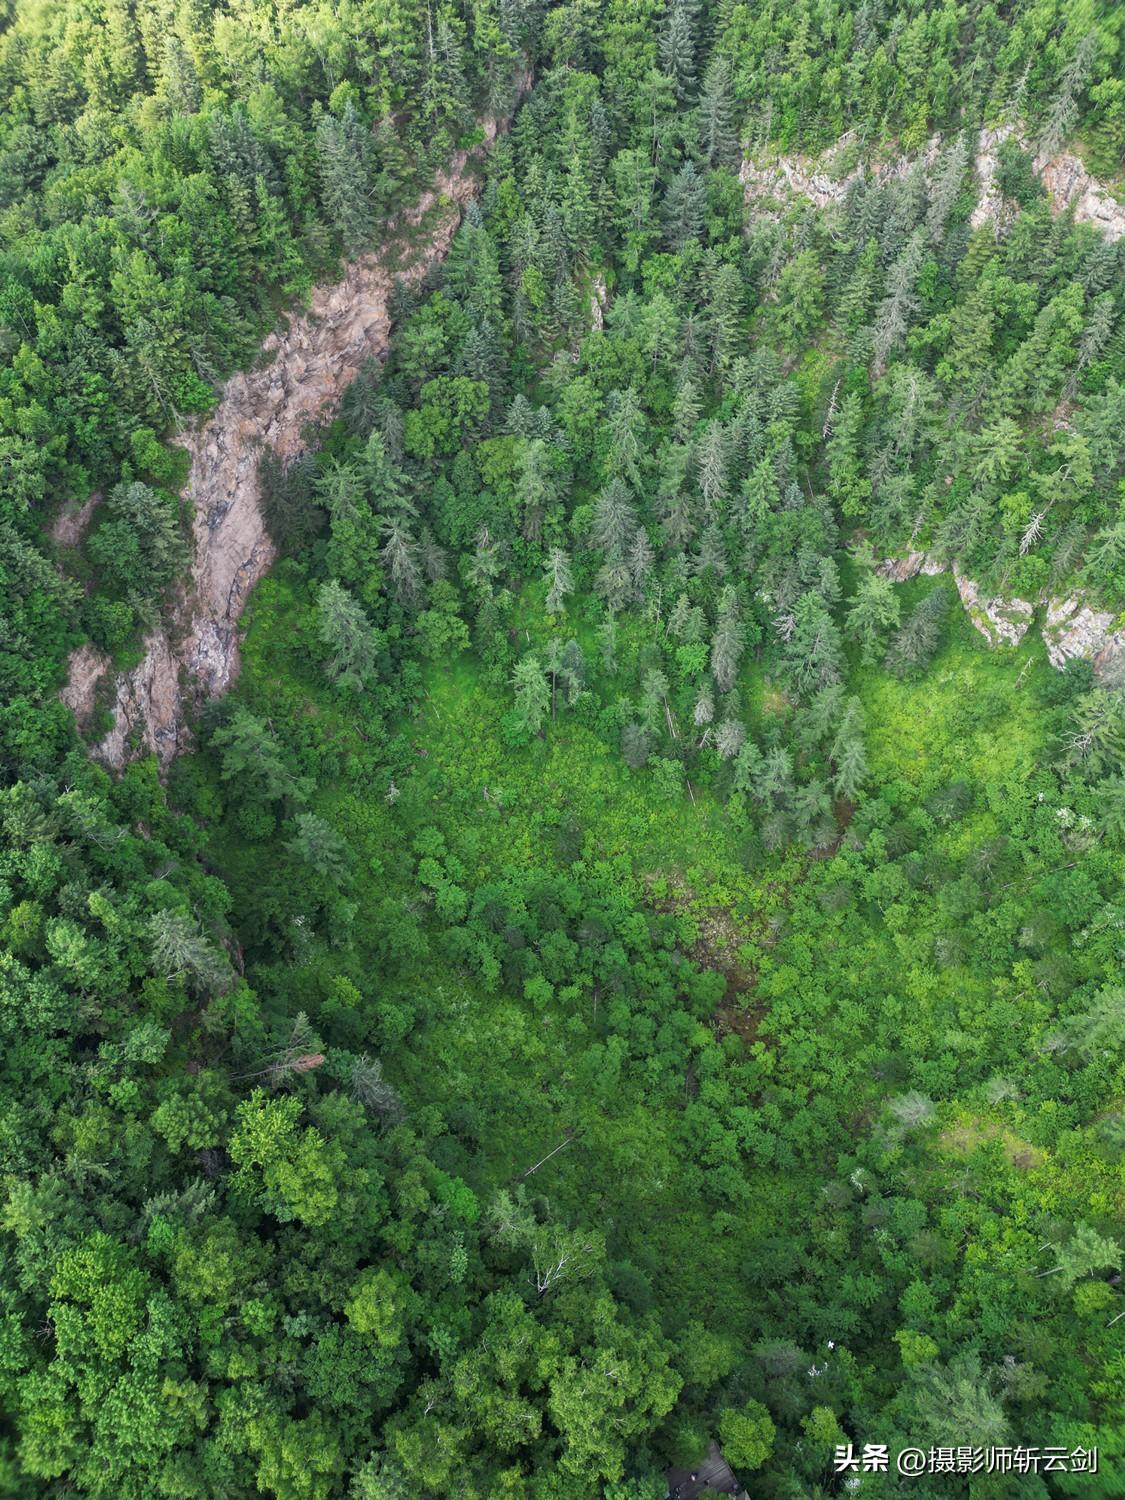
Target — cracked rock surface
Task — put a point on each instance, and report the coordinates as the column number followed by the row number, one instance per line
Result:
column 1066, row 180
column 1072, row 627
column 1002, row 622
column 307, row 366
column 1075, row 629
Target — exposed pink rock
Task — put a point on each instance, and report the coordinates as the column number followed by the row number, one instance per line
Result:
column 1074, row 629
column 1069, row 184
column 1001, row 621
column 899, row 569
column 88, row 666
column 311, row 362
column 1065, row 178
column 71, row 525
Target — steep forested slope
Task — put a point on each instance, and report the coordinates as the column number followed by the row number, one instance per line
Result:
column 629, row 963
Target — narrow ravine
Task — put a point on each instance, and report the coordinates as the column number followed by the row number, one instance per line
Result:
column 310, row 363
column 307, row 367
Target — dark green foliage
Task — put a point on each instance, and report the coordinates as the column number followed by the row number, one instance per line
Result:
column 578, row 1002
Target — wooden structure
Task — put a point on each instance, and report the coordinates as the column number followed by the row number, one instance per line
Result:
column 712, row 1475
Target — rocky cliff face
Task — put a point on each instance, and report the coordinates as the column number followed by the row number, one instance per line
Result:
column 308, row 366
column 1072, row 628
column 1067, row 182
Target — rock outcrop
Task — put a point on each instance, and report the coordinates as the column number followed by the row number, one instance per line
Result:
column 1066, row 180
column 1072, row 627
column 1068, row 183
column 86, row 668
column 70, row 526
column 1001, row 621
column 308, row 365
column 899, row 569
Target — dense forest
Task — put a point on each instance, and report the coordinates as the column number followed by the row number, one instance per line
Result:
column 632, row 963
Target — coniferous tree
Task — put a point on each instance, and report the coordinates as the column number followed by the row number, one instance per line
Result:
column 874, row 612
column 678, row 46
column 347, row 633
column 916, row 641
column 635, row 746
column 728, row 642
column 715, row 111
column 560, row 582
column 318, row 845
column 400, row 554
column 180, row 951
column 684, row 207
column 848, row 754
column 533, row 696
column 897, row 307
column 343, row 151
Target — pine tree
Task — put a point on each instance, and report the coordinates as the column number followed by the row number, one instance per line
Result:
column 344, row 157
column 634, row 746
column 641, row 559
column 533, row 697
column 677, row 46
column 654, row 698
column 607, row 643
column 917, row 640
column 400, row 555
column 626, row 426
column 572, row 666
column 1095, row 338
column 848, row 753
column 686, row 409
column 560, row 583
column 318, row 845
column 946, row 187
column 712, row 460
column 484, row 566
column 715, row 113
column 535, row 487
column 1063, row 111
column 180, row 951
column 874, row 611
column 704, row 711
column 728, row 642
column 614, row 519
column 847, row 482
column 725, row 316
column 678, row 619
column 684, row 207
column 711, row 559
column 252, row 758
column 346, row 631
column 900, row 303
column 435, row 566
column 614, row 584
column 369, row 1088
column 813, row 651
column 854, row 304
column 729, row 738
column 811, row 809
column 180, row 81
